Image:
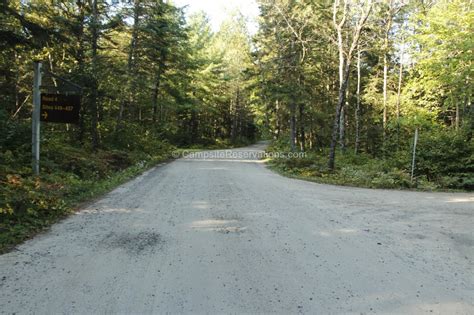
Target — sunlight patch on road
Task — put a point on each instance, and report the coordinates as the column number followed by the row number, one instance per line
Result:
column 447, row 307
column 323, row 233
column 211, row 223
column 110, row 210
column 200, row 204
column 346, row 231
column 329, row 233
column 217, row 225
column 460, row 199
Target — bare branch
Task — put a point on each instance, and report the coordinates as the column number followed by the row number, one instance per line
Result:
column 298, row 35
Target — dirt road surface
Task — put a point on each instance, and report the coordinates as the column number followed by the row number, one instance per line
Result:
column 221, row 233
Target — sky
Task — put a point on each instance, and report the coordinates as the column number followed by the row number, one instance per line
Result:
column 218, row 10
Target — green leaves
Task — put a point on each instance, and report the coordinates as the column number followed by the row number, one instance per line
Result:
column 443, row 49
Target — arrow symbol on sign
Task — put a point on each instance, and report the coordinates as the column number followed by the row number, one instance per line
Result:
column 45, row 115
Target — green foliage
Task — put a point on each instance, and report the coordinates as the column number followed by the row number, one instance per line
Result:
column 27, row 205
column 443, row 50
column 446, row 156
column 361, row 171
column 425, row 50
column 438, row 166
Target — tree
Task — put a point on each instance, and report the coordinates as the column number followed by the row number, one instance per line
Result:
column 443, row 56
column 286, row 27
column 345, row 57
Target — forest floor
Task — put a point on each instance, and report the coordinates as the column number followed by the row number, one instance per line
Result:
column 221, row 233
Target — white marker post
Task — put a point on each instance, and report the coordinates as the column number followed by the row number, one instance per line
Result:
column 35, row 121
column 414, row 155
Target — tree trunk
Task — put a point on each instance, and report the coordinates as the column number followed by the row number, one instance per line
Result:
column 278, row 123
column 94, row 87
column 385, row 74
column 15, row 85
column 388, row 26
column 80, row 62
column 343, row 122
column 155, row 97
column 293, row 127
column 130, row 64
column 357, row 111
column 235, row 117
column 302, row 129
column 342, row 127
column 156, row 87
column 194, row 126
column 399, row 94
column 339, row 106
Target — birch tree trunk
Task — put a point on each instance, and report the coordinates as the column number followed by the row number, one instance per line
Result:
column 399, row 89
column 385, row 75
column 339, row 106
column 385, row 72
column 357, row 111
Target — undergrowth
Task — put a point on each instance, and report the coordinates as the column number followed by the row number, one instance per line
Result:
column 444, row 162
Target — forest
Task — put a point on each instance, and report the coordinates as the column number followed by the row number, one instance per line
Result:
column 348, row 82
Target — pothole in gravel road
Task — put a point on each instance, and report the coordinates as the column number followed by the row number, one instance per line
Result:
column 135, row 243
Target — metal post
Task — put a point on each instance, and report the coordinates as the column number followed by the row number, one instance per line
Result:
column 414, row 155
column 35, row 121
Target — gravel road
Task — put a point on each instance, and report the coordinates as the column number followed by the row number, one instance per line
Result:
column 223, row 234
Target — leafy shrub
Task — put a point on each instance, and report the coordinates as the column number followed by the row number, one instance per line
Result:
column 446, row 153
column 30, row 197
column 297, row 162
column 393, row 179
column 60, row 157
column 26, row 205
column 445, row 160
